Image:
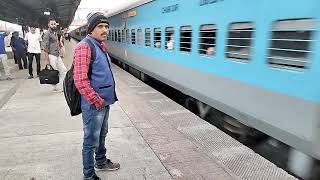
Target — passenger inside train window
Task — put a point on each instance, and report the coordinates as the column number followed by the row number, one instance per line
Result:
column 211, row 51
column 170, row 43
column 157, row 38
column 169, row 38
column 207, row 39
column 157, row 44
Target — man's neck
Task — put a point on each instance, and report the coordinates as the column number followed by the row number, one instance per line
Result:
column 95, row 38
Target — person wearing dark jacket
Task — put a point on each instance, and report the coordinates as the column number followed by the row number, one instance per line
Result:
column 19, row 47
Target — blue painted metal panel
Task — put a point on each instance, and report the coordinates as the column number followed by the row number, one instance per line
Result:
column 257, row 72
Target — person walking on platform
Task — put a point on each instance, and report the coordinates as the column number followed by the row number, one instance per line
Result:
column 19, row 47
column 3, row 55
column 33, row 40
column 97, row 94
column 51, row 47
column 14, row 52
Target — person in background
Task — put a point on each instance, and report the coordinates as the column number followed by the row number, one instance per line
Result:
column 19, row 46
column 3, row 55
column 51, row 48
column 211, row 51
column 170, row 44
column 14, row 53
column 33, row 40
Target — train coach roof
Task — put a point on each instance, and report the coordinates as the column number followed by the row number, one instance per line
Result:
column 128, row 7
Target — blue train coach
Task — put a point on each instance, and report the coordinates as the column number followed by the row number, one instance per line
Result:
column 257, row 61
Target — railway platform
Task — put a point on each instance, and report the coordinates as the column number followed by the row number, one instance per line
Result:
column 150, row 135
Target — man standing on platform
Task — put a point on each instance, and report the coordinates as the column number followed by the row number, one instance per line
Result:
column 3, row 55
column 97, row 94
column 33, row 40
column 19, row 47
column 51, row 47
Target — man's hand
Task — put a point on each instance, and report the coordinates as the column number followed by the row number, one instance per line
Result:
column 46, row 57
column 100, row 106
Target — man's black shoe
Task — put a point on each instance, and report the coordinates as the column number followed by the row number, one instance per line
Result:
column 107, row 166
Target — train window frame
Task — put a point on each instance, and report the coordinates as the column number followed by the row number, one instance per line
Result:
column 155, row 40
column 133, row 36
column 128, row 37
column 123, row 36
column 241, row 52
column 109, row 35
column 115, row 35
column 112, row 35
column 147, row 36
column 139, row 37
column 184, row 30
column 169, row 31
column 291, row 37
column 207, row 40
column 119, row 35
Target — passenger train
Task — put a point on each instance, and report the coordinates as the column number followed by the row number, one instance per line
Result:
column 257, row 61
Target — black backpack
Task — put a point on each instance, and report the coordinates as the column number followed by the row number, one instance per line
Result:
column 71, row 93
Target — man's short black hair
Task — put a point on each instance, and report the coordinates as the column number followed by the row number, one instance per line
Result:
column 51, row 19
column 33, row 25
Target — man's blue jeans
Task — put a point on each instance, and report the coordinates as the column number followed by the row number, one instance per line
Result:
column 95, row 129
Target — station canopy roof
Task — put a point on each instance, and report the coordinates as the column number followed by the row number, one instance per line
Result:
column 37, row 12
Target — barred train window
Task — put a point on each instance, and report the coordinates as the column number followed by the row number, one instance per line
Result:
column 239, row 40
column 157, row 38
column 112, row 35
column 169, row 38
column 116, row 35
column 185, row 38
column 139, row 37
column 207, row 39
column 148, row 37
column 133, row 36
column 123, row 39
column 128, row 36
column 119, row 36
column 290, row 43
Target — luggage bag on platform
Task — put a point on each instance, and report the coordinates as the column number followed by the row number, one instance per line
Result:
column 48, row 75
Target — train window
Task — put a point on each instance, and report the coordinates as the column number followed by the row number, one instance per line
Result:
column 112, row 35
column 207, row 39
column 115, row 35
column 128, row 36
column 108, row 37
column 157, row 37
column 169, row 38
column 185, row 38
column 123, row 37
column 139, row 37
column 148, row 37
column 290, row 43
column 239, row 40
column 133, row 36
column 119, row 36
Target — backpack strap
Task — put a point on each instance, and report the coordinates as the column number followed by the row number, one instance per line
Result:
column 93, row 55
